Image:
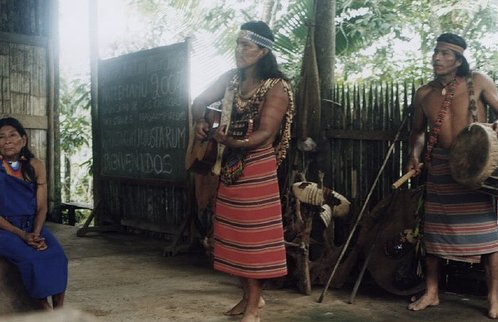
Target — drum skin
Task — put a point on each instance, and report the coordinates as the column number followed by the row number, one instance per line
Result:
column 474, row 155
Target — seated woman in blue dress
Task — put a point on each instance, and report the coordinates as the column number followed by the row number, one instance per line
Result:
column 24, row 240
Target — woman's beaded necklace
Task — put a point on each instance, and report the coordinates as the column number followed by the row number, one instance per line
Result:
column 13, row 168
column 14, row 165
column 244, row 102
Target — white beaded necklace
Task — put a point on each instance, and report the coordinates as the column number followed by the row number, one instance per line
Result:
column 14, row 165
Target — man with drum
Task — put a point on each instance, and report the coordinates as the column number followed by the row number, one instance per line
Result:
column 459, row 223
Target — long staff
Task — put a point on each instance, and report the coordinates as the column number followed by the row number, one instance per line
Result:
column 386, row 158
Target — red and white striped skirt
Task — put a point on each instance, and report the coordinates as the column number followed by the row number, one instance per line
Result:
column 248, row 229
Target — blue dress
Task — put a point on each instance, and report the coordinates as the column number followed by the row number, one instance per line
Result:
column 44, row 273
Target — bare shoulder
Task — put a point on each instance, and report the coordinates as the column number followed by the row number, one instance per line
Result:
column 423, row 91
column 485, row 89
column 477, row 75
column 40, row 172
column 278, row 94
column 278, row 89
column 485, row 86
column 481, row 78
column 36, row 163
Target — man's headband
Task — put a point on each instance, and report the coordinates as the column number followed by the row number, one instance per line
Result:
column 454, row 47
column 256, row 38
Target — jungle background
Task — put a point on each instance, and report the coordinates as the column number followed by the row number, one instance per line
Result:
column 373, row 41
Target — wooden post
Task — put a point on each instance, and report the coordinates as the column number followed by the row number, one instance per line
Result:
column 94, row 57
column 53, row 136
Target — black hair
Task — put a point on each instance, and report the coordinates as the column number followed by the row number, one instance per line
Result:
column 27, row 170
column 464, row 68
column 267, row 66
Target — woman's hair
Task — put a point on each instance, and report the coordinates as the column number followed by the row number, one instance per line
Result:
column 464, row 68
column 267, row 66
column 27, row 170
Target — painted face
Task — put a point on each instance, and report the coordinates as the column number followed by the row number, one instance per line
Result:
column 11, row 143
column 247, row 53
column 444, row 60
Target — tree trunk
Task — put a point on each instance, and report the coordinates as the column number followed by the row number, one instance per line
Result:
column 325, row 44
column 94, row 57
column 325, row 57
column 267, row 11
column 53, row 139
column 67, row 178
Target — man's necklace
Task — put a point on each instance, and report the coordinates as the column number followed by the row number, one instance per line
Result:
column 443, row 91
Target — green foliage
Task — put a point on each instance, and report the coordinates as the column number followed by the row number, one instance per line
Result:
column 75, row 123
column 383, row 27
column 75, row 131
column 223, row 18
column 290, row 32
column 369, row 33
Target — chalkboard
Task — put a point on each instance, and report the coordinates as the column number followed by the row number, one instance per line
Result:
column 143, row 100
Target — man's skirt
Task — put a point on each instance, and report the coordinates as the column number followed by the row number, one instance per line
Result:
column 248, row 229
column 460, row 224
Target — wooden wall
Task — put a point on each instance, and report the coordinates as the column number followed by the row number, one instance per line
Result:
column 364, row 121
column 366, row 118
column 154, row 208
column 28, row 74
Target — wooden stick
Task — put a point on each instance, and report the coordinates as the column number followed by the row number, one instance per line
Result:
column 404, row 178
column 365, row 203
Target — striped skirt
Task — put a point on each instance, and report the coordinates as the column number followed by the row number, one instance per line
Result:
column 459, row 224
column 248, row 229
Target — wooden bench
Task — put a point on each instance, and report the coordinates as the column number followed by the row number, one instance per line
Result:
column 13, row 295
column 83, row 231
column 72, row 207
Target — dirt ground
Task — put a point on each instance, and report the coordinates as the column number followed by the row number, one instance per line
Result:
column 123, row 277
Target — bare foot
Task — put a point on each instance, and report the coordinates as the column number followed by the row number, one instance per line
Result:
column 423, row 302
column 44, row 305
column 250, row 318
column 240, row 307
column 58, row 301
column 493, row 308
column 261, row 303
